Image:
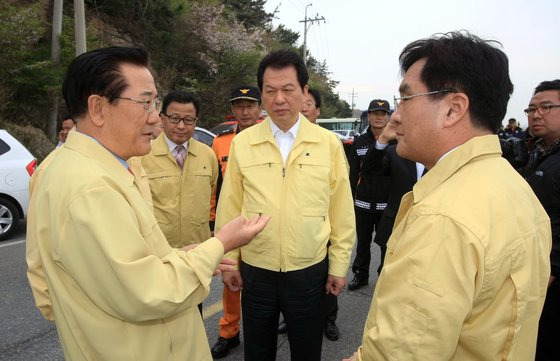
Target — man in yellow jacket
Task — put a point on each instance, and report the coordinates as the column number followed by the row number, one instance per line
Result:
column 98, row 264
column 294, row 171
column 182, row 173
column 467, row 266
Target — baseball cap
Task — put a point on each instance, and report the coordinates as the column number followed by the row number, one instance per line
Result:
column 379, row 104
column 246, row 92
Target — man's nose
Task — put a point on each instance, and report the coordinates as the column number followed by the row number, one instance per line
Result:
column 279, row 98
column 153, row 117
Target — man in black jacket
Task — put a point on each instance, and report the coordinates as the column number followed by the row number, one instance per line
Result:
column 370, row 193
column 382, row 160
column 543, row 174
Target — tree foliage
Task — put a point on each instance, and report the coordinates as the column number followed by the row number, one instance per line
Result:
column 203, row 46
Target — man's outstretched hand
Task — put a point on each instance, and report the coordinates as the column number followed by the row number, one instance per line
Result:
column 240, row 231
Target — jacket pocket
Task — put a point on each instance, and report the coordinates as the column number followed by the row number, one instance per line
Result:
column 410, row 331
column 314, row 232
column 164, row 187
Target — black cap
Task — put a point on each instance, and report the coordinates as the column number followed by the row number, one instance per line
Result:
column 379, row 104
column 246, row 92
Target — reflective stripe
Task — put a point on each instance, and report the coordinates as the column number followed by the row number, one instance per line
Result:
column 361, row 151
column 380, row 206
column 362, row 204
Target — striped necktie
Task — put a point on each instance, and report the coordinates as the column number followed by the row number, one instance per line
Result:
column 180, row 155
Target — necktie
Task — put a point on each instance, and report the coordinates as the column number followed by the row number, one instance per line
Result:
column 180, row 155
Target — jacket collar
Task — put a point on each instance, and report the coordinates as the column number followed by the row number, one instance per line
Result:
column 477, row 147
column 261, row 132
column 94, row 150
column 160, row 148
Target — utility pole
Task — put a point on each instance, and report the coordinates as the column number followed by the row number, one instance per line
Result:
column 305, row 28
column 353, row 95
column 80, row 26
column 55, row 57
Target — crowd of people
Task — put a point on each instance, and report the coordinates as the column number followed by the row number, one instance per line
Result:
column 131, row 217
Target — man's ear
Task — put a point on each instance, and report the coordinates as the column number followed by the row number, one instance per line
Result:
column 96, row 105
column 458, row 109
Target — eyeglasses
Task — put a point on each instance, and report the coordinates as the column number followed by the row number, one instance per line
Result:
column 175, row 119
column 542, row 109
column 407, row 97
column 149, row 104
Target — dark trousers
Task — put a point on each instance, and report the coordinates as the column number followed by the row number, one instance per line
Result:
column 296, row 294
column 366, row 222
column 548, row 345
column 330, row 307
column 383, row 248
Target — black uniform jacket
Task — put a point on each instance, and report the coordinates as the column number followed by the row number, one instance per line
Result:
column 543, row 175
column 370, row 191
column 402, row 173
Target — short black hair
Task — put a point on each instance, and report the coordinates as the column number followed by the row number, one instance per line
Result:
column 98, row 72
column 67, row 116
column 316, row 95
column 468, row 64
column 547, row 85
column 182, row 97
column 281, row 59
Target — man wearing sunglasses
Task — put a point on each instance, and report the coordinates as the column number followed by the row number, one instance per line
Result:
column 543, row 174
column 182, row 173
column 467, row 264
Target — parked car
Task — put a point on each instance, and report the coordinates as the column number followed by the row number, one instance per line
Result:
column 204, row 135
column 225, row 126
column 346, row 133
column 16, row 167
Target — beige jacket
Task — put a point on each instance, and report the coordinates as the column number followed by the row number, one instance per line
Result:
column 182, row 199
column 100, row 266
column 467, row 265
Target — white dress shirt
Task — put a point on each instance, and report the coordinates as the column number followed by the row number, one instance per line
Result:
column 284, row 141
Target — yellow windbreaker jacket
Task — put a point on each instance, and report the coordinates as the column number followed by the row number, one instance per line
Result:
column 182, row 199
column 100, row 267
column 467, row 265
column 309, row 199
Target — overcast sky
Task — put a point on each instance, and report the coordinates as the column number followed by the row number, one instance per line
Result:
column 362, row 39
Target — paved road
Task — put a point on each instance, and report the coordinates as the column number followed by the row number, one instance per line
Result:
column 25, row 335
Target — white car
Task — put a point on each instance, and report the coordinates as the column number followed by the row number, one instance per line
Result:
column 16, row 167
column 345, row 133
column 203, row 135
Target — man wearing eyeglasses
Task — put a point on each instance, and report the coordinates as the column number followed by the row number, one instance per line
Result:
column 98, row 264
column 467, row 264
column 182, row 173
column 543, row 174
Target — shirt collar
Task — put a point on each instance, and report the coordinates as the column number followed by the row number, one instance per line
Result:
column 172, row 145
column 121, row 161
column 544, row 149
column 293, row 130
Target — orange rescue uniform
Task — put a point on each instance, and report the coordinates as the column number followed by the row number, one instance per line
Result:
column 229, row 322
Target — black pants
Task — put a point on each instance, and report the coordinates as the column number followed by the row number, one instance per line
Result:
column 365, row 224
column 297, row 295
column 548, row 345
column 330, row 307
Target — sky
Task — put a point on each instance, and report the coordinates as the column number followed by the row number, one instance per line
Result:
column 362, row 39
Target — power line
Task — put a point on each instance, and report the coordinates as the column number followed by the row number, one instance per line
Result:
column 306, row 20
column 353, row 96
